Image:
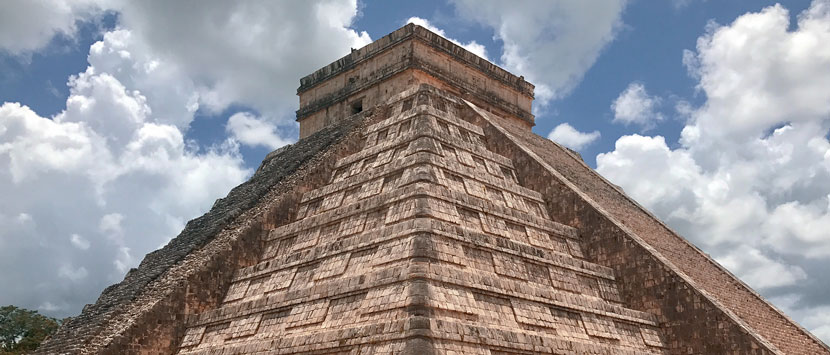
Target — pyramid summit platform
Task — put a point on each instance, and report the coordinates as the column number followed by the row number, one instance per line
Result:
column 419, row 214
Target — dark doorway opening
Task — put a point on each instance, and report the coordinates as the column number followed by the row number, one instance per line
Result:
column 357, row 106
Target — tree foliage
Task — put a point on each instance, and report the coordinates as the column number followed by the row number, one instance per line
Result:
column 22, row 330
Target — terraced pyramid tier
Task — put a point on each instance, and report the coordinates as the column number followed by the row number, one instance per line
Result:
column 424, row 241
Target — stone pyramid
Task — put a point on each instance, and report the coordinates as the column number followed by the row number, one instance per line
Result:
column 419, row 214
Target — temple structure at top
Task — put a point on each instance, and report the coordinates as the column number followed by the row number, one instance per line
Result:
column 419, row 214
column 410, row 56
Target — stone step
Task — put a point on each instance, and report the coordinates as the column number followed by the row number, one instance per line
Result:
column 350, row 224
column 356, row 271
column 423, row 125
column 475, row 181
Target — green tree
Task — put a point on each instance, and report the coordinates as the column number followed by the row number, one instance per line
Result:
column 22, row 330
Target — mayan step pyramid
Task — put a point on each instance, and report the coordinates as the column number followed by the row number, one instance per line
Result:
column 419, row 214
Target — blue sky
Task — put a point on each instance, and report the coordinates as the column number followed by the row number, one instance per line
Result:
column 713, row 114
column 662, row 30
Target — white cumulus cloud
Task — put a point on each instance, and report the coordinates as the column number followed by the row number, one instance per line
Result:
column 761, row 270
column 119, row 185
column 749, row 179
column 251, row 53
column 29, row 25
column 568, row 136
column 254, row 131
column 472, row 46
column 112, row 177
column 636, row 106
column 79, row 242
column 552, row 43
column 71, row 273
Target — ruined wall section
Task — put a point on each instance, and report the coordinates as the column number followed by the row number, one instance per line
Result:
column 145, row 313
column 703, row 309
